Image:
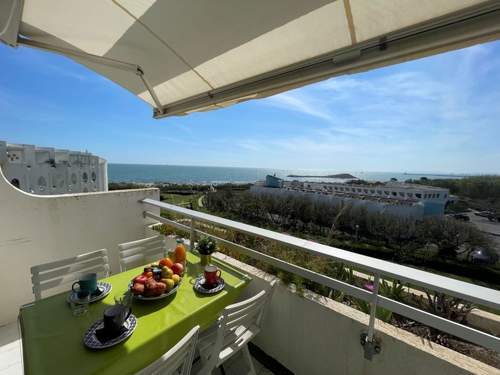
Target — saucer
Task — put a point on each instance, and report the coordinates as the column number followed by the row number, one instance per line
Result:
column 200, row 286
column 103, row 288
column 91, row 341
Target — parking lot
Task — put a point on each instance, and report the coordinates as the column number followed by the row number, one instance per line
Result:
column 487, row 226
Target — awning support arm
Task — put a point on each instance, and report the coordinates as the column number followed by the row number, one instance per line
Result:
column 158, row 109
column 129, row 67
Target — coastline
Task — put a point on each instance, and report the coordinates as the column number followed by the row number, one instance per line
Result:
column 200, row 175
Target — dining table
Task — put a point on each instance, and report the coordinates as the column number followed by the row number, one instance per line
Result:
column 52, row 337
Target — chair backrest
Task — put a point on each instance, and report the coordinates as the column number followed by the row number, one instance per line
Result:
column 241, row 321
column 180, row 357
column 136, row 253
column 53, row 275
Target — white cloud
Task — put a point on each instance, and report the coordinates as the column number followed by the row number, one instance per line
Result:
column 300, row 102
column 431, row 114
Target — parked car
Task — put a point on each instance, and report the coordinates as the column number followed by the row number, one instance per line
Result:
column 462, row 217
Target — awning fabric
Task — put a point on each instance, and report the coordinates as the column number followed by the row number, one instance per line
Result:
column 190, row 55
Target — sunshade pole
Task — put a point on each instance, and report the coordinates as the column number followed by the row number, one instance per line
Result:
column 133, row 68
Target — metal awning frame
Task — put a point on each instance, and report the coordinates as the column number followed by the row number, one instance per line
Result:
column 9, row 33
column 476, row 25
column 129, row 67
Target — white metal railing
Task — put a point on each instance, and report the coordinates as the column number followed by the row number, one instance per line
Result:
column 379, row 268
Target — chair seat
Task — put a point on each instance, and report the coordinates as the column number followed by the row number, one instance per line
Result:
column 233, row 342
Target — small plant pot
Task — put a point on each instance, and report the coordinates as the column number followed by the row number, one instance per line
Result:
column 205, row 260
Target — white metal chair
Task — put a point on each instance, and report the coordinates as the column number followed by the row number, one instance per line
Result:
column 238, row 324
column 180, row 357
column 136, row 253
column 56, row 274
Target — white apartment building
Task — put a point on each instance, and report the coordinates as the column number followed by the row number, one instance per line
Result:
column 434, row 199
column 47, row 171
column 401, row 199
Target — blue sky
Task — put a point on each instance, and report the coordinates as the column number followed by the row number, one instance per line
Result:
column 439, row 114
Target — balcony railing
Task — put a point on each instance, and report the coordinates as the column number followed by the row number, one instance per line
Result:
column 379, row 268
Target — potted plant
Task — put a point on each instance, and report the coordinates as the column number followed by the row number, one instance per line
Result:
column 206, row 246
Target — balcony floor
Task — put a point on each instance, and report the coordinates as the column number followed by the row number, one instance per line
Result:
column 11, row 357
column 10, row 350
column 236, row 365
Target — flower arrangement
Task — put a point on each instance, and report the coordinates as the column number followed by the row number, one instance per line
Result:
column 206, row 246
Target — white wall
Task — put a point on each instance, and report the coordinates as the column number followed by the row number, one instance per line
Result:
column 314, row 335
column 37, row 229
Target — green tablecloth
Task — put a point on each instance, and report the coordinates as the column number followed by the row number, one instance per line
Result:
column 52, row 337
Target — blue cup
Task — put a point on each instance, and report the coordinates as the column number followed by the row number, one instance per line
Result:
column 87, row 284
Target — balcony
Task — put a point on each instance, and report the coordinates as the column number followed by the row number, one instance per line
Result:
column 304, row 332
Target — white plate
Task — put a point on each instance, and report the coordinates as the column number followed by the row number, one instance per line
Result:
column 91, row 341
column 164, row 295
column 102, row 285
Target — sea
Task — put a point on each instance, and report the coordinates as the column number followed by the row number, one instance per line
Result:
column 180, row 174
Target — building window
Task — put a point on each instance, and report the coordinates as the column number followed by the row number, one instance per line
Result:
column 42, row 183
column 379, row 192
column 85, row 177
column 394, row 193
column 93, row 176
column 73, row 179
column 418, row 195
column 401, row 194
column 410, row 195
column 15, row 182
column 446, row 195
column 387, row 193
column 437, row 195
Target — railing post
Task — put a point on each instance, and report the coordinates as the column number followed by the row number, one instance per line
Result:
column 367, row 340
column 192, row 239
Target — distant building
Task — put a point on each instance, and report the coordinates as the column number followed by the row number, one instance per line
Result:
column 398, row 198
column 273, row 181
column 46, row 171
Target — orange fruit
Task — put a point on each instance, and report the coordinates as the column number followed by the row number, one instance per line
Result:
column 180, row 253
column 167, row 262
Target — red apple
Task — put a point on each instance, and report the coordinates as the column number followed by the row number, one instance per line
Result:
column 141, row 279
column 178, row 268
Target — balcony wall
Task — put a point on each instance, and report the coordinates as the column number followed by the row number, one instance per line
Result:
column 38, row 229
column 312, row 334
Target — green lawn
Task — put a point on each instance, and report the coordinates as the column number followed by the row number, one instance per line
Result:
column 182, row 200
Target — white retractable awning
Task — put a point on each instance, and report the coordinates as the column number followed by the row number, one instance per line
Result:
column 182, row 56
